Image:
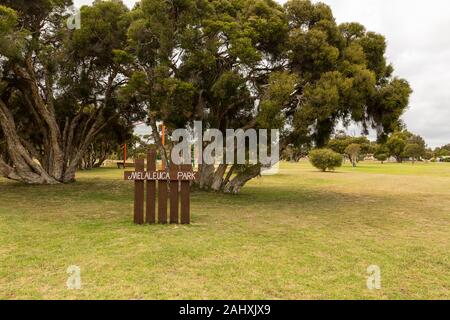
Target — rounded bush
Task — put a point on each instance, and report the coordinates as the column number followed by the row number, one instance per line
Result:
column 381, row 157
column 325, row 159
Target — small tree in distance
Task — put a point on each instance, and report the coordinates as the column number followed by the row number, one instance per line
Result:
column 428, row 154
column 413, row 151
column 353, row 151
column 381, row 157
column 381, row 153
column 325, row 159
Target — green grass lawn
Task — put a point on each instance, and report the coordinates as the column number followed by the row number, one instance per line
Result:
column 301, row 234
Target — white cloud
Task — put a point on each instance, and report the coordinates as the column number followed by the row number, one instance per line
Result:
column 419, row 48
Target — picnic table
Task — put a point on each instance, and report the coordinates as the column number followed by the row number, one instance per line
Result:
column 120, row 165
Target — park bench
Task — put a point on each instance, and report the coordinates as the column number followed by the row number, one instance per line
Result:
column 120, row 165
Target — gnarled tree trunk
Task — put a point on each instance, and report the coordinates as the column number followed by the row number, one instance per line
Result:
column 57, row 157
column 223, row 178
column 235, row 185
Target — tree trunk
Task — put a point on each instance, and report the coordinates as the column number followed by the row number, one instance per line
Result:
column 218, row 177
column 206, row 179
column 24, row 167
column 236, row 184
column 46, row 113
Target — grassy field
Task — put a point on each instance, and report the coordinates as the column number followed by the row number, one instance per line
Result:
column 301, row 234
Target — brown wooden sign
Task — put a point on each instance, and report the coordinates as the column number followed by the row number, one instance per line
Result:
column 161, row 175
column 173, row 184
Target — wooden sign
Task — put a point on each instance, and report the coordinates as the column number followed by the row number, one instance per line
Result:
column 173, row 183
column 160, row 175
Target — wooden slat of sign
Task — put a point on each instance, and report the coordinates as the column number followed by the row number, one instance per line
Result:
column 185, row 199
column 151, row 188
column 174, row 194
column 162, row 201
column 139, row 195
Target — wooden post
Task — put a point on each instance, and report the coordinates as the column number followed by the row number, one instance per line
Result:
column 139, row 195
column 185, row 197
column 124, row 155
column 163, row 141
column 162, row 201
column 151, row 188
column 174, row 194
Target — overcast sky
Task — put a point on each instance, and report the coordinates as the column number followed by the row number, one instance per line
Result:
column 419, row 47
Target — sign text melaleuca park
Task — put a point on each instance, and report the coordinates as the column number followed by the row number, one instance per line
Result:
column 161, row 175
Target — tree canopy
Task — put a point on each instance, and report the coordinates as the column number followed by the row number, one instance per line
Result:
column 257, row 64
column 402, row 143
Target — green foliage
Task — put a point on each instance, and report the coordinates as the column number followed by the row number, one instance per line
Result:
column 11, row 38
column 280, row 87
column 341, row 141
column 389, row 103
column 428, row 154
column 381, row 157
column 381, row 152
column 413, row 150
column 102, row 35
column 325, row 159
column 302, row 71
column 443, row 151
column 8, row 20
column 353, row 151
column 397, row 143
column 345, row 74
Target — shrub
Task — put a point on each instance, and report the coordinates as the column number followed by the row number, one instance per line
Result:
column 381, row 157
column 325, row 159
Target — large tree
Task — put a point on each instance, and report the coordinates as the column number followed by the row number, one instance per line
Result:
column 414, row 151
column 58, row 87
column 443, row 151
column 256, row 64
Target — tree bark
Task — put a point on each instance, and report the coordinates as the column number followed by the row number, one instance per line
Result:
column 24, row 167
column 206, row 172
column 236, row 184
column 30, row 89
column 218, row 177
